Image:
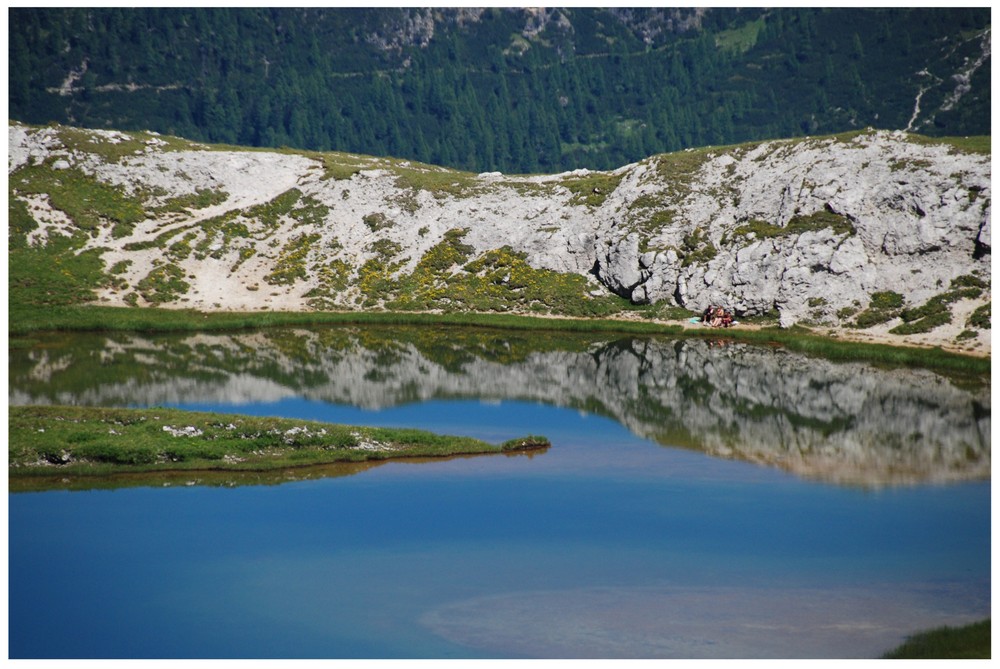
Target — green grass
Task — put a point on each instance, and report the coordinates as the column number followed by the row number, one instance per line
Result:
column 41, row 277
column 799, row 339
column 591, row 189
column 92, row 441
column 975, row 144
column 796, row 225
column 82, row 198
column 966, row 643
column 742, row 39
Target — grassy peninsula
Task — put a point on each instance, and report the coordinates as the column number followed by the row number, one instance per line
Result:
column 88, row 441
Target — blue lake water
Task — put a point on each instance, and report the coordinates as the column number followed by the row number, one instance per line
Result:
column 610, row 544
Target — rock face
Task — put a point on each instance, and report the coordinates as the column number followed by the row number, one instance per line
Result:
column 808, row 228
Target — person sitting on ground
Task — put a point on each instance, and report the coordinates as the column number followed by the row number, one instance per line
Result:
column 717, row 315
column 727, row 318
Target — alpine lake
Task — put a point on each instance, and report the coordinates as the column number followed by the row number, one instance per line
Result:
column 700, row 499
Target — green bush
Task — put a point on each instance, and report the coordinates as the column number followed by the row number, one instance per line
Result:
column 925, row 324
column 164, row 284
column 377, row 221
column 886, row 300
column 980, row 318
column 871, row 317
column 968, row 281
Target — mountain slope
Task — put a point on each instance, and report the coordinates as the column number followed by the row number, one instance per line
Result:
column 511, row 89
column 869, row 229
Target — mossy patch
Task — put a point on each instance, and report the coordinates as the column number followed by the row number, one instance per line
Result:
column 591, row 189
column 759, row 229
column 697, row 248
column 291, row 263
column 85, row 200
column 980, row 318
column 163, row 284
column 333, row 278
column 882, row 308
column 200, row 199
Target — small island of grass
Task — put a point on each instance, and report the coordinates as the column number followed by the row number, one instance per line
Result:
column 89, row 441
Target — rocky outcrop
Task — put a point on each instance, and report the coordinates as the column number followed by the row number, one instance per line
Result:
column 808, row 228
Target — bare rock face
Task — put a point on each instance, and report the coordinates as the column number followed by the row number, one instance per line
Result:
column 830, row 222
column 806, row 228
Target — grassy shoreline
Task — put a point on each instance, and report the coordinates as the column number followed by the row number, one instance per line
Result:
column 971, row 641
column 23, row 322
column 68, row 441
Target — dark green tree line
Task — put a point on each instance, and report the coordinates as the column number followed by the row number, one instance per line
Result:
column 479, row 95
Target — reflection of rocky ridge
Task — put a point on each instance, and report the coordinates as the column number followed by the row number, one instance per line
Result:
column 847, row 423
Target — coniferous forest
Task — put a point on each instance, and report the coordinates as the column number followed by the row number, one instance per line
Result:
column 504, row 89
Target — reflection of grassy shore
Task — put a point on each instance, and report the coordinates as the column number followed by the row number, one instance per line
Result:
column 93, row 318
column 85, row 441
column 967, row 642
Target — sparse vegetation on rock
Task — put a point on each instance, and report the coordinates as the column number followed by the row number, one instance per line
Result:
column 809, row 230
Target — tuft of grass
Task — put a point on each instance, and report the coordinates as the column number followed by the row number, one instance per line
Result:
column 591, row 189
column 377, row 221
column 967, row 642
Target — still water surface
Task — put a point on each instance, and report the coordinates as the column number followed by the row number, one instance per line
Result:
column 697, row 501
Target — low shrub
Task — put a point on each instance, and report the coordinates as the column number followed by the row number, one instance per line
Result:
column 980, row 318
column 925, row 324
column 886, row 300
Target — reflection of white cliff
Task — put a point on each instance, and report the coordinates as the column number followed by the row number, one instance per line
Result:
column 847, row 423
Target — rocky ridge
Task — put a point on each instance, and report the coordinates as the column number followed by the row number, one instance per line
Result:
column 813, row 231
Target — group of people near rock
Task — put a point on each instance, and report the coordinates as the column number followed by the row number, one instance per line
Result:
column 717, row 317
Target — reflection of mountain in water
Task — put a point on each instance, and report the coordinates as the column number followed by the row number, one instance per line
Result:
column 846, row 423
